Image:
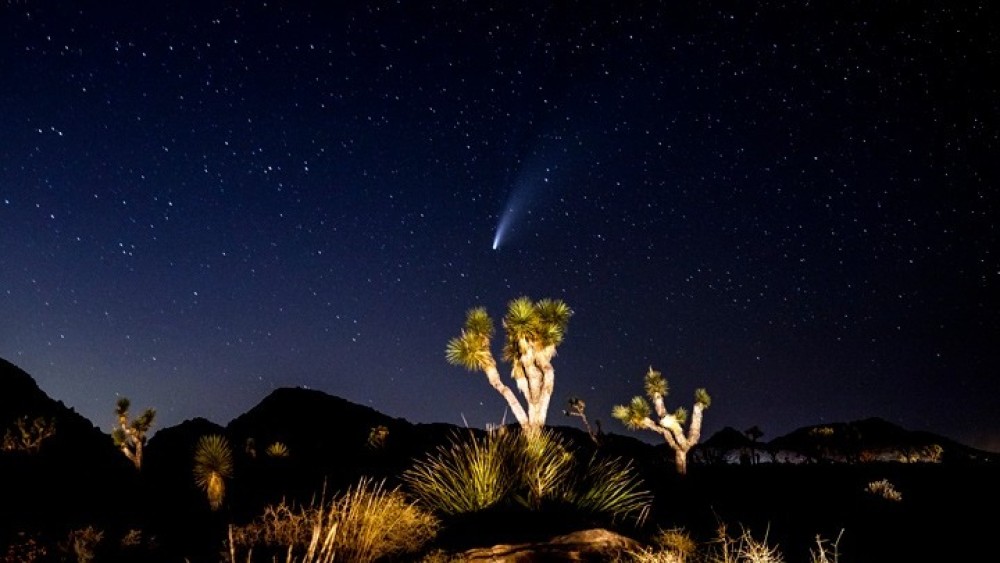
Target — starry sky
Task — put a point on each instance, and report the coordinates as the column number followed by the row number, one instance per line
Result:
column 791, row 204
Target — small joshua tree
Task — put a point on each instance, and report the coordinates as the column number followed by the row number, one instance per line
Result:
column 130, row 435
column 637, row 415
column 213, row 463
column 576, row 407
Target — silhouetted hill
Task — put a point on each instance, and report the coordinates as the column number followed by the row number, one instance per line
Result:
column 77, row 476
column 874, row 439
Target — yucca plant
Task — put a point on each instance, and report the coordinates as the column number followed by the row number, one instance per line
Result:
column 612, row 487
column 213, row 463
column 545, row 461
column 277, row 449
column 467, row 474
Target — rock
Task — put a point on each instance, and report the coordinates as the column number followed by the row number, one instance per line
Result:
column 585, row 545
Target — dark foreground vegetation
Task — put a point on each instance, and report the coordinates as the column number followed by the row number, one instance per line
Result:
column 305, row 476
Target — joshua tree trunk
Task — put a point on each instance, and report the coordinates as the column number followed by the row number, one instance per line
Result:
column 548, row 380
column 493, row 376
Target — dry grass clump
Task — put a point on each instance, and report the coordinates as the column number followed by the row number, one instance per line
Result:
column 744, row 549
column 677, row 546
column 669, row 546
column 365, row 523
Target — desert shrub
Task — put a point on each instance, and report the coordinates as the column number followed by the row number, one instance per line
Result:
column 885, row 489
column 366, row 523
column 676, row 546
column 82, row 543
column 466, row 475
column 25, row 548
column 743, row 549
column 669, row 546
column 677, row 541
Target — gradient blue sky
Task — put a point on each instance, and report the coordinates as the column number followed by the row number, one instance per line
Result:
column 793, row 206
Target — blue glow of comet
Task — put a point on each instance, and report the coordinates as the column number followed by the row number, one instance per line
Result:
column 502, row 227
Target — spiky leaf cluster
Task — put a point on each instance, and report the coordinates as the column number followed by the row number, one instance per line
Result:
column 471, row 349
column 543, row 322
column 702, row 398
column 213, row 462
column 277, row 449
column 655, row 384
column 633, row 414
column 612, row 486
column 681, row 415
column 122, row 406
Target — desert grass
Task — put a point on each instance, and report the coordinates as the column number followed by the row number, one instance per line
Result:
column 365, row 523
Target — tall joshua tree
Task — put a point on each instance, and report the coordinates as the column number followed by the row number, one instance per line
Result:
column 130, row 435
column 637, row 415
column 533, row 331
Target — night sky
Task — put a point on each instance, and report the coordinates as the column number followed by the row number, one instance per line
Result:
column 791, row 204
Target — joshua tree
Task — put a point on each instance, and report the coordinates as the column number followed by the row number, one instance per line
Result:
column 637, row 415
column 577, row 407
column 130, row 436
column 533, row 332
column 213, row 463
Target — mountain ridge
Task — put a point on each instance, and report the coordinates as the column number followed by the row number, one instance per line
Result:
column 271, row 420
